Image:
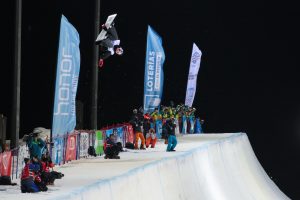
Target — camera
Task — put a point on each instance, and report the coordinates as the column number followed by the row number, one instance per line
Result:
column 57, row 175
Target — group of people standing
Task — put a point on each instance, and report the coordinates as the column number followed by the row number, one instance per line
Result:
column 144, row 130
column 144, row 134
column 172, row 120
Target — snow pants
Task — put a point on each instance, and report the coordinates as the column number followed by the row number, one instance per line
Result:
column 139, row 135
column 151, row 141
column 28, row 185
column 172, row 142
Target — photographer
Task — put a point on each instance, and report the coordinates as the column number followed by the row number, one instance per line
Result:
column 49, row 176
column 35, row 144
column 111, row 150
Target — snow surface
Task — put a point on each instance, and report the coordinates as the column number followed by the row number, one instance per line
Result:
column 204, row 166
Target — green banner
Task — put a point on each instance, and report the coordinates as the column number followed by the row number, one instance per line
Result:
column 99, row 143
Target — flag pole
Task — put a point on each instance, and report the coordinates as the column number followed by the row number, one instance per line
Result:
column 94, row 85
column 15, row 122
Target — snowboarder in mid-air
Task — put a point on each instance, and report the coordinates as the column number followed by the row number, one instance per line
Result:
column 110, row 45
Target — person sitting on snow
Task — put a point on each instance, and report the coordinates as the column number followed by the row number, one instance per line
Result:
column 151, row 138
column 38, row 171
column 27, row 177
column 48, row 176
column 110, row 45
column 111, row 150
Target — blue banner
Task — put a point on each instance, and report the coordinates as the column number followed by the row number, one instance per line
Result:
column 192, row 78
column 158, row 128
column 68, row 66
column 58, row 151
column 109, row 132
column 154, row 75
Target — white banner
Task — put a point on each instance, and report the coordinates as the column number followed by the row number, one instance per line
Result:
column 84, row 144
column 192, row 79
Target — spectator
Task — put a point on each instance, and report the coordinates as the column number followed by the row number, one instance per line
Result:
column 137, row 123
column 48, row 177
column 170, row 129
column 38, row 171
column 146, row 124
column 27, row 178
column 151, row 138
column 111, row 150
column 35, row 144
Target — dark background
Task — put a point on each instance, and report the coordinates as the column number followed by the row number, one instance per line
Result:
column 248, row 80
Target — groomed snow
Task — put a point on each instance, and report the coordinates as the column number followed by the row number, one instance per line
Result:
column 204, row 166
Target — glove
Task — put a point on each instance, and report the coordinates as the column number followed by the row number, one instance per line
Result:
column 101, row 62
column 104, row 27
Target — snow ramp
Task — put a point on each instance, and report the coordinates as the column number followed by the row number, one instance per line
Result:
column 223, row 166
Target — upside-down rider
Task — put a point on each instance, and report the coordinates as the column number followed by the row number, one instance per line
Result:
column 110, row 45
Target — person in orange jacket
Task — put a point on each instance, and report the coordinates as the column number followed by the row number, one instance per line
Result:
column 137, row 123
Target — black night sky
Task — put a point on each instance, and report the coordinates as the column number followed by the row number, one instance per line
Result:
column 248, row 79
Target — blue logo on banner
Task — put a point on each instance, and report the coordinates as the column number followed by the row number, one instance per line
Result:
column 68, row 66
column 154, row 76
column 195, row 57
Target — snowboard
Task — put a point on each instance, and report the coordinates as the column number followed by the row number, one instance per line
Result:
column 102, row 34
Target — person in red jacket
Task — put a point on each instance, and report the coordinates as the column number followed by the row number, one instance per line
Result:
column 38, row 171
column 48, row 175
column 27, row 178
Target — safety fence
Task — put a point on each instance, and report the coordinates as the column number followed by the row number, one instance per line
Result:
column 73, row 146
column 76, row 145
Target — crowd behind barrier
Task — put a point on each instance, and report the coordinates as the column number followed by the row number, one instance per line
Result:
column 76, row 145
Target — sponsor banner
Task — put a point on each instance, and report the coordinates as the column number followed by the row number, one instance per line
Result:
column 23, row 152
column 158, row 128
column 58, row 151
column 99, row 143
column 192, row 78
column 120, row 134
column 154, row 75
column 68, row 66
column 108, row 132
column 129, row 133
column 5, row 163
column 84, row 144
column 71, row 148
